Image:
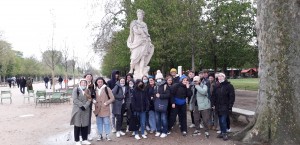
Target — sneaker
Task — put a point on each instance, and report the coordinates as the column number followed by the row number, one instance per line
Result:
column 147, row 128
column 220, row 136
column 184, row 133
column 118, row 134
column 157, row 134
column 225, row 137
column 206, row 135
column 219, row 131
column 133, row 133
column 151, row 132
column 163, row 135
column 107, row 137
column 90, row 137
column 229, row 130
column 192, row 126
column 77, row 143
column 169, row 132
column 196, row 132
column 145, row 132
column 113, row 130
column 85, row 142
column 201, row 126
column 127, row 128
column 137, row 137
column 121, row 132
column 99, row 137
column 144, row 136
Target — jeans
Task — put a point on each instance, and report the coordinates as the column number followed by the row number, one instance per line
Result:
column 103, row 121
column 152, row 120
column 223, row 122
column 142, row 117
column 161, row 122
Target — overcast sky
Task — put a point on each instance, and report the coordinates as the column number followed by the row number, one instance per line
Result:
column 28, row 25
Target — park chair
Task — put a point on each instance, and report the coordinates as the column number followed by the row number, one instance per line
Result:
column 68, row 95
column 30, row 94
column 40, row 97
column 56, row 97
column 6, row 95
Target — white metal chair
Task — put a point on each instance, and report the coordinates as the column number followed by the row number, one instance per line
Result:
column 6, row 95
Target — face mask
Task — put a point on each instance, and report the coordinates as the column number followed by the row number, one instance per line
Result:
column 145, row 81
column 122, row 84
column 83, row 87
column 158, row 80
column 130, row 85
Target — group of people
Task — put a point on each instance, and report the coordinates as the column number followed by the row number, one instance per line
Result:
column 22, row 82
column 47, row 80
column 151, row 103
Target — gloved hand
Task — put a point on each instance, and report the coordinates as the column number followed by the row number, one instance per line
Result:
column 230, row 110
column 82, row 108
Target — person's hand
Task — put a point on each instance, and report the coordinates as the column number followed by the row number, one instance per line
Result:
column 94, row 101
column 213, row 107
column 82, row 108
column 173, row 105
column 151, row 98
column 105, row 103
column 187, row 84
column 157, row 95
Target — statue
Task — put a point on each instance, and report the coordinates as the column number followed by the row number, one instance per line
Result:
column 140, row 46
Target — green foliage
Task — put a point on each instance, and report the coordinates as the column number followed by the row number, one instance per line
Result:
column 217, row 34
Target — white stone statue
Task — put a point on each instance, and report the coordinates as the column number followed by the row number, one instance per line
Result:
column 140, row 46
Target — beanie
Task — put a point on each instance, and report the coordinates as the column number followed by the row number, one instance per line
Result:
column 159, row 75
column 182, row 77
column 173, row 70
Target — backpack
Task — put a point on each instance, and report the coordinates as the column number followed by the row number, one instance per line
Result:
column 106, row 91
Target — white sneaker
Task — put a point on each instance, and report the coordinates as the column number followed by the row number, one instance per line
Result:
column 85, row 142
column 113, row 130
column 163, row 135
column 133, row 133
column 99, row 137
column 192, row 126
column 219, row 131
column 229, row 130
column 90, row 137
column 157, row 134
column 137, row 137
column 151, row 132
column 127, row 128
column 108, row 138
column 147, row 128
column 201, row 126
column 118, row 134
column 145, row 132
column 121, row 132
column 77, row 143
column 144, row 136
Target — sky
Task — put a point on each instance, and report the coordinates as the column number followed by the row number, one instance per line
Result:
column 30, row 24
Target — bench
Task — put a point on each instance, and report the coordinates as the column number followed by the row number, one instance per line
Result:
column 3, row 84
column 236, row 112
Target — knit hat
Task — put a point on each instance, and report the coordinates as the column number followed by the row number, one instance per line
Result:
column 182, row 77
column 173, row 70
column 159, row 75
column 196, row 79
column 222, row 74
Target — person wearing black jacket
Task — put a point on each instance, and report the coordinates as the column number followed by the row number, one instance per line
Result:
column 223, row 98
column 128, row 98
column 89, row 78
column 162, row 95
column 22, row 85
column 180, row 92
column 111, row 84
column 140, row 105
column 46, row 80
column 151, row 97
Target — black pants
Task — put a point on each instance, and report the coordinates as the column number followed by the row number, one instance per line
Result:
column 46, row 85
column 192, row 117
column 80, row 130
column 119, row 118
column 90, row 119
column 179, row 110
column 128, row 113
column 22, row 89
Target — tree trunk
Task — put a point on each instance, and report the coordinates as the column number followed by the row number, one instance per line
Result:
column 53, row 81
column 277, row 119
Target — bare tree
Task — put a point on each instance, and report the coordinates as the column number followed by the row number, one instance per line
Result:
column 65, row 53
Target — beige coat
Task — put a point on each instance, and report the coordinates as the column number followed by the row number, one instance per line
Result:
column 102, row 110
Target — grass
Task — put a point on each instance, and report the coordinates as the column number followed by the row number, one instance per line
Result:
column 250, row 84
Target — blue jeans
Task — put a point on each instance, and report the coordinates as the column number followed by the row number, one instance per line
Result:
column 103, row 121
column 142, row 117
column 152, row 120
column 161, row 122
column 223, row 122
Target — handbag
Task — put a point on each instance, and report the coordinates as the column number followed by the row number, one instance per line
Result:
column 161, row 105
column 134, row 122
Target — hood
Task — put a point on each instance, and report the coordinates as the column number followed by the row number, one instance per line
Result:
column 113, row 73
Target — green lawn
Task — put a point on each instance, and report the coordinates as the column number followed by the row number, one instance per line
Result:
column 245, row 84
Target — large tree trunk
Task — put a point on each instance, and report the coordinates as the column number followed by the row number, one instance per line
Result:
column 277, row 119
